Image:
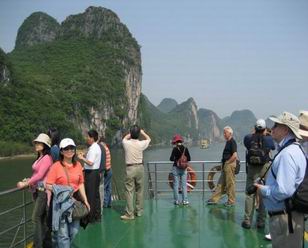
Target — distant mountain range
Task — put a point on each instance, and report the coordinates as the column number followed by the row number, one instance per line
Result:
column 194, row 124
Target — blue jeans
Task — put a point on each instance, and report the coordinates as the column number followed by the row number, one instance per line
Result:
column 66, row 233
column 107, row 188
column 179, row 176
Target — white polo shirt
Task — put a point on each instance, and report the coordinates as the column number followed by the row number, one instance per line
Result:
column 94, row 155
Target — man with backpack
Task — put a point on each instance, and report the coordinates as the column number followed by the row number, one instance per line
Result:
column 258, row 147
column 283, row 179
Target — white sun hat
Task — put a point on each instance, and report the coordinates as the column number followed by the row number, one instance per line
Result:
column 289, row 120
column 303, row 123
column 66, row 142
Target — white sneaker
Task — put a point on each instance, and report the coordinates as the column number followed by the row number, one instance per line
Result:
column 268, row 237
column 185, row 202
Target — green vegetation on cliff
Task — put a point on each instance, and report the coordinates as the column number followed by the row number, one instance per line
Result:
column 59, row 81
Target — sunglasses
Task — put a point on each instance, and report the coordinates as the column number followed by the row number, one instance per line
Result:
column 275, row 126
column 69, row 148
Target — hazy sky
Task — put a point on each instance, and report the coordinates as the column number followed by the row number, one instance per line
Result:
column 226, row 54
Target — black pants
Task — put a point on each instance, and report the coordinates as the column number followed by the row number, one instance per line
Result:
column 41, row 233
column 92, row 179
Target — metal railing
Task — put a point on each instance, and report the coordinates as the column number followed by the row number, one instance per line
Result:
column 159, row 179
column 21, row 225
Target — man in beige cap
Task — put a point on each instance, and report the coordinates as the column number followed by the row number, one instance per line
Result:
column 286, row 173
column 303, row 129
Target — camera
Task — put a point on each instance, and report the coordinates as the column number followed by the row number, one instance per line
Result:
column 252, row 188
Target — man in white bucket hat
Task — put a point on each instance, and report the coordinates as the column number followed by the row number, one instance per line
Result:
column 286, row 173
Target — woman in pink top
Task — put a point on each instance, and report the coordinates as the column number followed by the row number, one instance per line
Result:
column 40, row 168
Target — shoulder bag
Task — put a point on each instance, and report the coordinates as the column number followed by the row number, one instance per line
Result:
column 80, row 210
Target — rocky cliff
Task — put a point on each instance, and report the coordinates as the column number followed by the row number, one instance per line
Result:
column 38, row 28
column 210, row 125
column 86, row 72
column 5, row 71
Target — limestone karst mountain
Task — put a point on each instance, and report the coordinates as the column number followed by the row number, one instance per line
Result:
column 80, row 74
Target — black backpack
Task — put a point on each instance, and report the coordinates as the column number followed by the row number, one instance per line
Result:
column 299, row 200
column 257, row 154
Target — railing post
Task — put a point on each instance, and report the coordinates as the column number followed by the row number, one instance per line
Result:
column 203, row 182
column 24, row 216
column 150, row 183
column 155, row 181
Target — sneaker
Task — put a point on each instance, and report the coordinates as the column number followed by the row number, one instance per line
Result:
column 185, row 202
column 211, row 202
column 229, row 204
column 176, row 203
column 246, row 224
column 127, row 217
column 138, row 214
column 260, row 225
column 268, row 237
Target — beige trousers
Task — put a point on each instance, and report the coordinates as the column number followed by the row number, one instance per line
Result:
column 279, row 231
column 227, row 184
column 134, row 183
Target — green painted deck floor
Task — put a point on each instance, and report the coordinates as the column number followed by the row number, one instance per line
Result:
column 166, row 225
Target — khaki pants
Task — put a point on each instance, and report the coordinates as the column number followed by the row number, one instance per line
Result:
column 227, row 184
column 252, row 174
column 279, row 231
column 134, row 182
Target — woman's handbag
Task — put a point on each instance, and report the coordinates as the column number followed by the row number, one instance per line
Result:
column 237, row 167
column 80, row 210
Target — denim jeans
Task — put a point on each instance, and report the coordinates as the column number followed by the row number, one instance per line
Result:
column 39, row 215
column 102, row 191
column 179, row 176
column 66, row 233
column 107, row 188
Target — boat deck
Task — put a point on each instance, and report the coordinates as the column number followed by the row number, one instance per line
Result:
column 166, row 225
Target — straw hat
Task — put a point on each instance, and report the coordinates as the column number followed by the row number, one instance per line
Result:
column 289, row 120
column 43, row 138
column 303, row 127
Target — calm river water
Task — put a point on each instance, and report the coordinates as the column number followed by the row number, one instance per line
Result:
column 12, row 170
